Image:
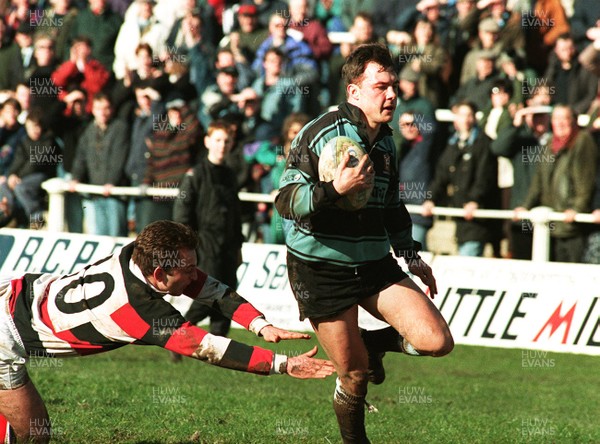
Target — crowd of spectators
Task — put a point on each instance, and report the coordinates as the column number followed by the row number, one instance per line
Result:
column 121, row 92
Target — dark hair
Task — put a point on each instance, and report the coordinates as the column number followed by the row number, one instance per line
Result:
column 36, row 116
column 300, row 118
column 102, row 96
column 354, row 68
column 465, row 103
column 82, row 39
column 276, row 51
column 12, row 102
column 144, row 47
column 366, row 16
column 159, row 243
column 503, row 85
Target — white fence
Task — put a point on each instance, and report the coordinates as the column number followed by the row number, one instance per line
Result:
column 540, row 217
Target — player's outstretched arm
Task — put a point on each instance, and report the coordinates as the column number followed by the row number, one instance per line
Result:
column 274, row 334
column 307, row 367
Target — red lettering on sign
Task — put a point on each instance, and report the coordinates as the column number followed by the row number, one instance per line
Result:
column 556, row 320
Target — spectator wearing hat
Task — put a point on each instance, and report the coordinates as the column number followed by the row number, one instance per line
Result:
column 574, row 85
column 488, row 33
column 81, row 71
column 510, row 24
column 101, row 26
column 226, row 58
column 409, row 99
column 246, row 39
column 477, row 89
column 144, row 27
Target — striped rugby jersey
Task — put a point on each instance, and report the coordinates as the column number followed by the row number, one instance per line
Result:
column 109, row 304
column 324, row 232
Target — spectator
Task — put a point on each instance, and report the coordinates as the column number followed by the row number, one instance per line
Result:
column 193, row 28
column 312, row 31
column 427, row 10
column 329, row 12
column 222, row 98
column 81, row 71
column 265, row 9
column 465, row 177
column 16, row 60
column 522, row 143
column 488, row 41
column 44, row 93
column 462, row 30
column 56, row 22
column 425, row 56
column 173, row 150
column 585, row 15
column 209, row 204
column 11, row 133
column 415, row 168
column 351, row 10
column 35, row 160
column 227, row 59
column 141, row 132
column 210, row 30
column 477, row 89
column 291, row 127
column 100, row 25
column 245, row 41
column 543, row 25
column 100, row 160
column 299, row 62
column 409, row 99
column 574, row 85
column 523, row 79
column 361, row 31
column 18, row 12
column 590, row 56
column 70, row 129
column 565, row 180
column 143, row 28
column 279, row 94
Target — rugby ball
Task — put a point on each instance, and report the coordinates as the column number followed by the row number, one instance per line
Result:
column 331, row 156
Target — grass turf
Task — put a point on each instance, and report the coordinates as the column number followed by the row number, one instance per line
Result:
column 474, row 395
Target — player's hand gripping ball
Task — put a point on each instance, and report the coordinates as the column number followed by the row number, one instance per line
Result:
column 331, row 156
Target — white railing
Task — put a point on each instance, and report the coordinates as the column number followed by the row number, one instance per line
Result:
column 540, row 217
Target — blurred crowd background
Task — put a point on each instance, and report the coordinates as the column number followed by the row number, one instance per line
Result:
column 138, row 93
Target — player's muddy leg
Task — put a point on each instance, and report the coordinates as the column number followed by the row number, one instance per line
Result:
column 340, row 338
column 26, row 413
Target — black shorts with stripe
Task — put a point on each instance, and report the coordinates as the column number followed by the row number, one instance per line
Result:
column 323, row 290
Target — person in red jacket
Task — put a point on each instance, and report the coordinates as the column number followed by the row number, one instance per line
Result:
column 81, row 71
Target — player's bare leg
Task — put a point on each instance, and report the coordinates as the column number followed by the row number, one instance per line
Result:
column 340, row 338
column 418, row 326
column 26, row 413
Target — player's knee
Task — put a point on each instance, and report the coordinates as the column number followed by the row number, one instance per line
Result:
column 355, row 382
column 442, row 344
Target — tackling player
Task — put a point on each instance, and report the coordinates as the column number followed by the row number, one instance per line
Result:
column 118, row 301
column 339, row 260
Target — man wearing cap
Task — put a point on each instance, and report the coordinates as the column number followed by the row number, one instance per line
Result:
column 489, row 41
column 245, row 41
column 477, row 89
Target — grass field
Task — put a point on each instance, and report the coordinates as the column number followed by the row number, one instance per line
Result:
column 474, row 395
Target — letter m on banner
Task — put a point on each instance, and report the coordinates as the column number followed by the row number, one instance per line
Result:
column 556, row 320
